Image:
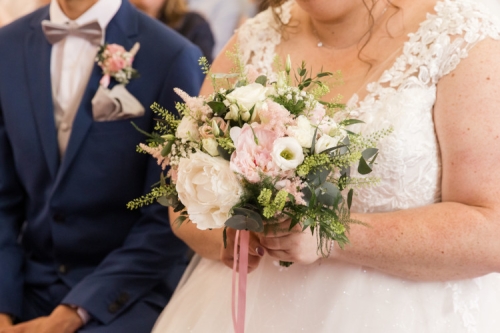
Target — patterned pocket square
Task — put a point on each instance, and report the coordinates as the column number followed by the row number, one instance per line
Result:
column 115, row 104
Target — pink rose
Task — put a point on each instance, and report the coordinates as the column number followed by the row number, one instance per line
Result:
column 115, row 64
column 206, row 132
column 251, row 158
column 115, row 49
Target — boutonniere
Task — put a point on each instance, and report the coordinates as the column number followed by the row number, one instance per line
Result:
column 116, row 62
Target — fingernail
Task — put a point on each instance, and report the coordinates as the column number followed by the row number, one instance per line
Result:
column 260, row 251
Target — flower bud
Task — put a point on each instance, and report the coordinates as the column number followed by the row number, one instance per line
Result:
column 215, row 128
column 288, row 66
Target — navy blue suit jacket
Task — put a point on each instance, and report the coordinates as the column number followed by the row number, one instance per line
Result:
column 66, row 221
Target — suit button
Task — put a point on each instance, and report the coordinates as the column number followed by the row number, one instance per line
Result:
column 63, row 269
column 113, row 307
column 123, row 298
column 60, row 218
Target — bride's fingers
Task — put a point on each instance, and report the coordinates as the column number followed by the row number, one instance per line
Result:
column 281, row 229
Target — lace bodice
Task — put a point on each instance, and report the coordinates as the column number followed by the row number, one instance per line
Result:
column 409, row 162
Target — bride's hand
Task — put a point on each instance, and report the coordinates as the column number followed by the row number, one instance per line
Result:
column 291, row 245
column 255, row 250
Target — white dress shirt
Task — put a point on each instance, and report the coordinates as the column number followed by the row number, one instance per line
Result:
column 71, row 63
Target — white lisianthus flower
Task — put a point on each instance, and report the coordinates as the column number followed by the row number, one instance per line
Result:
column 287, row 153
column 303, row 132
column 188, row 129
column 234, row 113
column 325, row 142
column 246, row 97
column 208, row 189
column 234, row 134
column 210, row 146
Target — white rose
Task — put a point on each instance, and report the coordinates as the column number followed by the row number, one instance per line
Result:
column 303, row 132
column 208, row 189
column 188, row 129
column 287, row 153
column 325, row 142
column 247, row 96
column 210, row 145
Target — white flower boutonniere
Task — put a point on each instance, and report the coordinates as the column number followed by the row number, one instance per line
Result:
column 116, row 63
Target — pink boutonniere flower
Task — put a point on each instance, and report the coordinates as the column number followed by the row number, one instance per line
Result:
column 116, row 63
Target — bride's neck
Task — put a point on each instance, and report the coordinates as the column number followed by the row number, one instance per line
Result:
column 349, row 29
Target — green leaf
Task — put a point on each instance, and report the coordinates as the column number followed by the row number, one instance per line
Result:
column 328, row 194
column 329, row 150
column 262, row 80
column 180, row 206
column 319, row 177
column 217, row 107
column 224, row 237
column 223, row 153
column 142, row 131
column 313, row 145
column 167, row 148
column 348, row 122
column 245, row 219
column 168, row 201
column 363, row 167
column 369, row 153
column 307, row 194
column 349, row 198
column 323, row 74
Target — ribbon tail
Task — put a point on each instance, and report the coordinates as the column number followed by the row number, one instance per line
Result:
column 241, row 259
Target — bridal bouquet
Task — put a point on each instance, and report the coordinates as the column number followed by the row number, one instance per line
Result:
column 257, row 151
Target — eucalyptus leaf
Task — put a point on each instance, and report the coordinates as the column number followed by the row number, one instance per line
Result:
column 245, row 219
column 241, row 222
column 306, row 191
column 369, row 153
column 328, row 194
column 363, row 167
column 319, row 177
column 262, row 80
column 180, row 206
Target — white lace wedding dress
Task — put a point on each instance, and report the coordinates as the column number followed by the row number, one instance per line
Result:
column 342, row 298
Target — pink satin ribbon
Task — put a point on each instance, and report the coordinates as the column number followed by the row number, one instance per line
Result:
column 240, row 259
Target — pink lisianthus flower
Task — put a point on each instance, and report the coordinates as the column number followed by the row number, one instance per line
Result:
column 252, row 158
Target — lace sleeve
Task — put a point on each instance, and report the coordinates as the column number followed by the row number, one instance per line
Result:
column 258, row 37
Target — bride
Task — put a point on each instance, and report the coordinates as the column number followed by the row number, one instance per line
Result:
column 428, row 260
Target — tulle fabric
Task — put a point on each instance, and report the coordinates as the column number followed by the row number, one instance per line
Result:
column 331, row 297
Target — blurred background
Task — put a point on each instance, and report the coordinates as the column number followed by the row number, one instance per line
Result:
column 207, row 23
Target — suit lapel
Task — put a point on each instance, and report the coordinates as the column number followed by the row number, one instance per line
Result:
column 37, row 61
column 121, row 30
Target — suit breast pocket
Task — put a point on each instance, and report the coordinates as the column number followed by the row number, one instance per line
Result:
column 115, row 126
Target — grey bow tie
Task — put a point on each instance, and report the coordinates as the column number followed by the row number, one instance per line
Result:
column 57, row 32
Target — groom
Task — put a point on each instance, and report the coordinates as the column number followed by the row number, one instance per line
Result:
column 73, row 258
